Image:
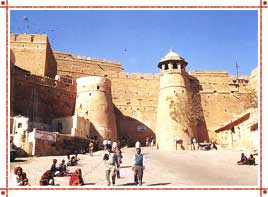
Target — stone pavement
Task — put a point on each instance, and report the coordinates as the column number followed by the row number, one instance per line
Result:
column 163, row 169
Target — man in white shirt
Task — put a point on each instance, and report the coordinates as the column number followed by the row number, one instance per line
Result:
column 138, row 144
column 105, row 142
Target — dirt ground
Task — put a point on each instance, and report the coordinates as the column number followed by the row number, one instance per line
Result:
column 163, row 169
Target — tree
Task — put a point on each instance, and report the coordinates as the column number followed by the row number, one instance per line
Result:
column 186, row 110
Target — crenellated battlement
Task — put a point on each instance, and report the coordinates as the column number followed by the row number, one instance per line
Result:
column 33, row 38
column 126, row 75
column 69, row 56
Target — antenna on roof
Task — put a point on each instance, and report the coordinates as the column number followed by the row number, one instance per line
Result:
column 237, row 67
column 26, row 24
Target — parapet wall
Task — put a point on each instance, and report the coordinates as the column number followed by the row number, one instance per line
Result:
column 76, row 66
column 33, row 38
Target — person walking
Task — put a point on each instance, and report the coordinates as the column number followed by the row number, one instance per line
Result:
column 111, row 165
column 193, row 141
column 91, row 148
column 109, row 143
column 138, row 166
column 138, row 144
column 105, row 142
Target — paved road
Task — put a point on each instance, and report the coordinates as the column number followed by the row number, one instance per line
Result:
column 163, row 169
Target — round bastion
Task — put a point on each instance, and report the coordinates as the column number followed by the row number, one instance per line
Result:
column 94, row 102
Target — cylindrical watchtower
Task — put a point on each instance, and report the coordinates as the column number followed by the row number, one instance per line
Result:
column 94, row 102
column 173, row 115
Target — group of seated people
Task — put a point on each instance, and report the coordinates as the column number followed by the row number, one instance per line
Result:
column 20, row 178
column 246, row 161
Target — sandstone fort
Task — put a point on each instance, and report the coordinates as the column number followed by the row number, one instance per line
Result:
column 58, row 101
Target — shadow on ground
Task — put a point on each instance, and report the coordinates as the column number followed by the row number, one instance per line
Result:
column 125, row 166
column 89, row 184
column 20, row 160
column 158, row 184
column 128, row 184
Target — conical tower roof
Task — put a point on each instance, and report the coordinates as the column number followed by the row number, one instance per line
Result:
column 171, row 56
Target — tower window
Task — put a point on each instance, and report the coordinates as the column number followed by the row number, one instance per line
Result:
column 166, row 67
column 98, row 87
column 175, row 66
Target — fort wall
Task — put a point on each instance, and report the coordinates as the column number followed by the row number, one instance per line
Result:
column 33, row 53
column 76, row 66
column 221, row 97
column 94, row 102
column 41, row 98
column 133, row 97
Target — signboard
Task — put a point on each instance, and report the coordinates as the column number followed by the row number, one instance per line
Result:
column 141, row 128
column 46, row 136
column 104, row 129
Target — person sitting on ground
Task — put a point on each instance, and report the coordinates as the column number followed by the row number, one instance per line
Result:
column 68, row 160
column 76, row 154
column 251, row 160
column 76, row 178
column 63, row 169
column 20, row 178
column 74, row 161
column 47, row 179
column 54, row 168
column 243, row 160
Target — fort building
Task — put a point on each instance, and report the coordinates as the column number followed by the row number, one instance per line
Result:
column 49, row 86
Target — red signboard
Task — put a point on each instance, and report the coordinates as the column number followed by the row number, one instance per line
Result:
column 44, row 135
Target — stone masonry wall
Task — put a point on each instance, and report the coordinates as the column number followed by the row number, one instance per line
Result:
column 33, row 53
column 219, row 98
column 135, row 96
column 76, row 66
column 41, row 99
column 65, row 145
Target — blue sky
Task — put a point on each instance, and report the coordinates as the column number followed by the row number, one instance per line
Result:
column 207, row 39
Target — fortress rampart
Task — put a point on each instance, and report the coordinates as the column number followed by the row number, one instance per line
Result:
column 94, row 102
column 41, row 98
column 33, row 53
column 134, row 96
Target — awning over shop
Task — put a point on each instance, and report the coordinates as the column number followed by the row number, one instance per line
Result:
column 230, row 125
column 254, row 127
